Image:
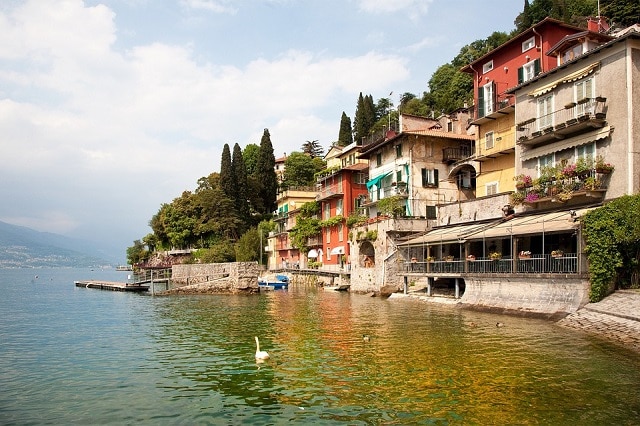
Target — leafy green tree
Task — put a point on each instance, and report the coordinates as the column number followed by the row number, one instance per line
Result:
column 300, row 170
column 220, row 252
column 621, row 12
column 312, row 149
column 307, row 226
column 345, row 137
column 248, row 246
column 137, row 253
column 250, row 156
column 265, row 174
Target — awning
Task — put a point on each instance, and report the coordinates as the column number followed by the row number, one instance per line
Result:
column 451, row 234
column 376, row 180
column 536, row 224
column 312, row 254
column 566, row 144
column 337, row 250
column 566, row 79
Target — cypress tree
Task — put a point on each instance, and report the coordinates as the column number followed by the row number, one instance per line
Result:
column 359, row 121
column 226, row 173
column 345, row 137
column 266, row 174
column 240, row 172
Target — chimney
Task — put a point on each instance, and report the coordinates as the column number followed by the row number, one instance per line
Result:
column 592, row 25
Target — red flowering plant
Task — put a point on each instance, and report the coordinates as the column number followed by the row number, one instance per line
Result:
column 569, row 170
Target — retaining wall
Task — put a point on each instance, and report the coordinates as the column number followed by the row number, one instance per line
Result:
column 552, row 296
column 215, row 278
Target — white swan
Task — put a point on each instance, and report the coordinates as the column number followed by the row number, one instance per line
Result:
column 260, row 354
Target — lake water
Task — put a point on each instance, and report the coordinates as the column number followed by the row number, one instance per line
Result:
column 80, row 356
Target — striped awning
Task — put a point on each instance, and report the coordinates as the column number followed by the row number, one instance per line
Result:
column 566, row 144
column 577, row 75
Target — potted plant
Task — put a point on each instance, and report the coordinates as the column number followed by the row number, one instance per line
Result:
column 448, row 258
column 494, row 255
column 584, row 166
column 431, row 259
column 569, row 171
column 516, row 198
column 602, row 167
column 591, row 183
column 524, row 254
column 471, row 258
column 531, row 197
column 523, row 181
column 557, row 253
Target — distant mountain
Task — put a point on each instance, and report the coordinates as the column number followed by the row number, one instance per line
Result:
column 22, row 247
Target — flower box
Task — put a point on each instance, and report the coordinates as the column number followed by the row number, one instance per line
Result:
column 471, row 258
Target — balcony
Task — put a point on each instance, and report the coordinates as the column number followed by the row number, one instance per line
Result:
column 454, row 154
column 395, row 189
column 565, row 263
column 503, row 106
column 327, row 192
column 572, row 120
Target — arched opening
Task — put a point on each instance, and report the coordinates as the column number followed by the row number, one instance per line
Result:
column 367, row 255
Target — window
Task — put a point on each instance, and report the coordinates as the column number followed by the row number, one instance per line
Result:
column 546, row 161
column 432, row 212
column 586, row 151
column 399, row 176
column 492, row 188
column 398, row 150
column 572, row 53
column 528, row 44
column 528, row 71
column 339, row 207
column 360, row 178
column 487, row 102
column 464, row 179
column 545, row 109
column 487, row 67
column 379, row 159
column 450, row 126
column 327, row 211
column 488, row 140
column 327, row 234
column 430, row 178
column 583, row 90
column 340, row 232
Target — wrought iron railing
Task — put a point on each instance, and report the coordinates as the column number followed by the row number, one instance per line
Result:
column 566, row 263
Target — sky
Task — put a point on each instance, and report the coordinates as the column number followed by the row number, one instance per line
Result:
column 108, row 109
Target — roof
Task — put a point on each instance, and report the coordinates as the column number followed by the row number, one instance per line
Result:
column 357, row 167
column 570, row 40
column 430, row 133
column 524, row 34
column 631, row 34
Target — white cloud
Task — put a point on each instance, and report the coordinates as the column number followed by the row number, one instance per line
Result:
column 216, row 6
column 413, row 8
column 98, row 125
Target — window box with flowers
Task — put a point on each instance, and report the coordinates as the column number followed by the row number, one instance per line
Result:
column 448, row 258
column 471, row 258
column 602, row 167
column 523, row 181
column 531, row 198
column 557, row 253
column 569, row 171
column 431, row 259
column 494, row 255
column 524, row 254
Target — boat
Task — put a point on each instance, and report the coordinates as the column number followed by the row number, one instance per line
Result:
column 341, row 287
column 277, row 282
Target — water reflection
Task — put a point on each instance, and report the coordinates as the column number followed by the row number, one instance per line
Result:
column 423, row 362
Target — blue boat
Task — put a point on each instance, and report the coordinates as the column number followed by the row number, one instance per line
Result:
column 279, row 282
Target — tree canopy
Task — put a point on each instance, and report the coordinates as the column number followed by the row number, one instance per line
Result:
column 300, row 169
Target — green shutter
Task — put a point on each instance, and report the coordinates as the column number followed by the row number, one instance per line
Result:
column 435, row 177
column 536, row 67
column 481, row 102
column 424, row 177
column 520, row 75
column 431, row 212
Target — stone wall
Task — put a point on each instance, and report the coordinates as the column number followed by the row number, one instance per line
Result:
column 549, row 296
column 215, row 277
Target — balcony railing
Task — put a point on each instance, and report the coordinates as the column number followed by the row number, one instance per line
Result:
column 566, row 263
column 591, row 183
column 503, row 104
column 574, row 118
column 329, row 192
column 451, row 155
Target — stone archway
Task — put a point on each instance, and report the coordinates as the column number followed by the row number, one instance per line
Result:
column 367, row 255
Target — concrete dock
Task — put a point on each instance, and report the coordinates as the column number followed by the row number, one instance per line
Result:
column 112, row 285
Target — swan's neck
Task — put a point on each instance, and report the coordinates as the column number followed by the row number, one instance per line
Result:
column 257, row 344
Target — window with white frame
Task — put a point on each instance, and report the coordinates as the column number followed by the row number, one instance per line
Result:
column 545, row 161
column 528, row 44
column 327, row 211
column 583, row 90
column 327, row 233
column 586, row 151
column 339, row 206
column 528, row 71
column 488, row 98
column 545, row 109
column 487, row 67
column 360, row 178
column 491, row 188
column 430, row 177
column 340, row 232
column 570, row 54
column 488, row 140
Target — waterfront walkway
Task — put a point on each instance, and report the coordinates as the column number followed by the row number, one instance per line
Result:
column 616, row 317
